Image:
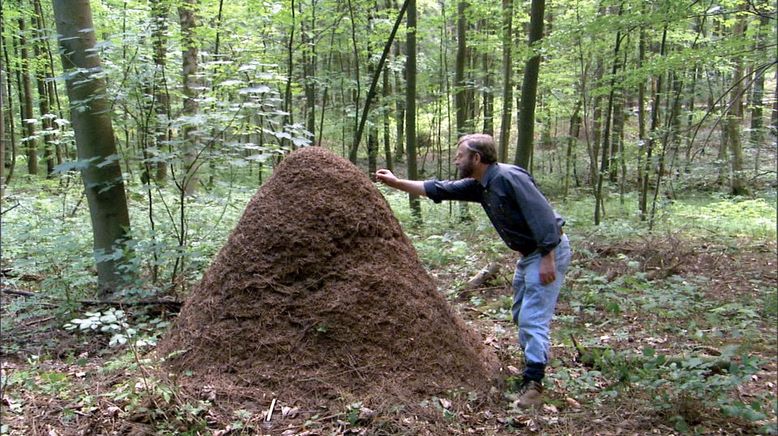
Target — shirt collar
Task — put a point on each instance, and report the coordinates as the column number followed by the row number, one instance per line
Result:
column 489, row 174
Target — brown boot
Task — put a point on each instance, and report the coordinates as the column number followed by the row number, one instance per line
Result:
column 530, row 394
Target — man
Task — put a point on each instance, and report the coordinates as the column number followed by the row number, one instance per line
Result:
column 526, row 223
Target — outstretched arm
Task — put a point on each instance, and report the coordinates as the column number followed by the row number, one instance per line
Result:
column 415, row 187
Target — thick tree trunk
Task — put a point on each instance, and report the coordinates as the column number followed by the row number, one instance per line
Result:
column 90, row 114
column 507, row 79
column 529, row 87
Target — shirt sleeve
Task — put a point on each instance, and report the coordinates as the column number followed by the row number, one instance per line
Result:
column 461, row 190
column 540, row 216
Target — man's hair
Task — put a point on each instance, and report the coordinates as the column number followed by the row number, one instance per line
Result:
column 482, row 144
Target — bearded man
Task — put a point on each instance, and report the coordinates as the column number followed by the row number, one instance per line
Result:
column 527, row 223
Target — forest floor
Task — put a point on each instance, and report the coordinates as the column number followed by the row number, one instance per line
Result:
column 675, row 334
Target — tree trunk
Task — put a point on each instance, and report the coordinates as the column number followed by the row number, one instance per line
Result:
column 90, row 115
column 399, row 149
column 529, row 87
column 507, row 79
column 572, row 138
column 43, row 97
column 734, row 119
column 757, row 97
column 3, row 142
column 189, row 55
column 5, row 93
column 29, row 143
column 641, row 112
column 309, row 69
column 488, row 95
column 656, row 104
column 386, row 91
column 460, row 87
column 606, row 136
column 358, row 90
column 289, row 116
column 162, row 134
column 410, row 106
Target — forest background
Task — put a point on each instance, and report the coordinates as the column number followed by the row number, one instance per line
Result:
column 650, row 125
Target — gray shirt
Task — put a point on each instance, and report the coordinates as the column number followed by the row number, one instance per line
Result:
column 519, row 212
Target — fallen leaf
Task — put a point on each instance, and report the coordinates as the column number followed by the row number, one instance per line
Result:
column 573, row 403
column 445, row 403
column 366, row 415
column 550, row 408
column 289, row 412
column 513, row 370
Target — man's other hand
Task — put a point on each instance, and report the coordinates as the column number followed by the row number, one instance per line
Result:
column 547, row 268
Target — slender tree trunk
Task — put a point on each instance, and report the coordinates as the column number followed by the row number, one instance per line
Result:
column 572, row 138
column 159, row 16
column 757, row 97
column 29, row 142
column 309, row 68
column 375, row 72
column 507, row 79
column 460, row 87
column 410, row 106
column 7, row 91
column 690, row 117
column 488, row 95
column 594, row 150
column 641, row 112
column 3, row 112
column 289, row 117
column 386, row 91
column 326, row 84
column 189, row 57
column 94, row 140
column 774, row 115
column 606, row 136
column 358, row 90
column 656, row 104
column 734, row 119
column 529, row 87
column 399, row 149
column 43, row 99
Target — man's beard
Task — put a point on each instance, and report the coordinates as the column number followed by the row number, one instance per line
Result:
column 466, row 170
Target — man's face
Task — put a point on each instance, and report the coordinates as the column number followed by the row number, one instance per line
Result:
column 464, row 162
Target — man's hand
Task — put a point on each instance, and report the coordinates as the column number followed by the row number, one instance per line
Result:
column 386, row 176
column 415, row 187
column 547, row 268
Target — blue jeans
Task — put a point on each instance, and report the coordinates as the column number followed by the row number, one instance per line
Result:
column 534, row 303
